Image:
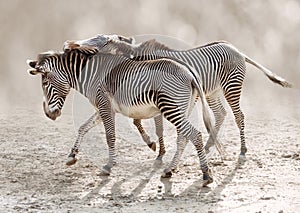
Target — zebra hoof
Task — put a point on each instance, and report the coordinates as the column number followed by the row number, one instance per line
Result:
column 207, row 148
column 243, row 151
column 159, row 158
column 243, row 154
column 157, row 163
column 242, row 159
column 71, row 161
column 207, row 178
column 105, row 171
column 152, row 146
column 166, row 174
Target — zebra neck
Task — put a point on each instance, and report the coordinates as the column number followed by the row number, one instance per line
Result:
column 90, row 75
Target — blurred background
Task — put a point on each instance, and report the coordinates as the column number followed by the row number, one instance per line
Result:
column 267, row 31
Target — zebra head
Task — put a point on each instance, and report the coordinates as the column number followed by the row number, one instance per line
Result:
column 55, row 84
column 114, row 44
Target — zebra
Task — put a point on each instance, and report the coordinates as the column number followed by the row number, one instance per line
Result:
column 97, row 43
column 220, row 65
column 116, row 84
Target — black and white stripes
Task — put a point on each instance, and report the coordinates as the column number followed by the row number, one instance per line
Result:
column 137, row 89
column 220, row 66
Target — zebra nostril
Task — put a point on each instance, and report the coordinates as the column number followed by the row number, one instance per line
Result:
column 56, row 112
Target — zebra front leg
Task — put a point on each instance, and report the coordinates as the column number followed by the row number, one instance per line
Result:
column 83, row 129
column 159, row 132
column 145, row 136
column 108, row 118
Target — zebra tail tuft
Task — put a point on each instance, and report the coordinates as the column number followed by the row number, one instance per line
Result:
column 278, row 80
column 272, row 76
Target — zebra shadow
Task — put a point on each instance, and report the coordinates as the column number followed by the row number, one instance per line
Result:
column 154, row 168
column 95, row 192
column 147, row 172
column 196, row 191
column 116, row 189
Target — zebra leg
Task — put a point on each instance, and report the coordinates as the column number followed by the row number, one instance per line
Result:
column 145, row 136
column 108, row 118
column 181, row 144
column 216, row 105
column 185, row 129
column 83, row 129
column 159, row 132
column 233, row 99
column 196, row 137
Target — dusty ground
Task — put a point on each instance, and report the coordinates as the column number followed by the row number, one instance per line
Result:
column 34, row 177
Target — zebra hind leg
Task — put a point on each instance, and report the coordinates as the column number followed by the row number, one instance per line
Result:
column 196, row 137
column 233, row 101
column 83, row 129
column 185, row 129
column 216, row 105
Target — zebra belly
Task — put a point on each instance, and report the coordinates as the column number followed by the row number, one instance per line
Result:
column 137, row 111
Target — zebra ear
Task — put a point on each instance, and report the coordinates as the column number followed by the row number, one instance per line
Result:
column 129, row 40
column 70, row 45
column 34, row 68
column 35, row 72
column 31, row 63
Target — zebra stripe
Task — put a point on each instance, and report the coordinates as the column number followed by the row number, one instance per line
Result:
column 137, row 89
column 220, row 66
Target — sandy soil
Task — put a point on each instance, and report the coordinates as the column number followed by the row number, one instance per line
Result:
column 34, row 177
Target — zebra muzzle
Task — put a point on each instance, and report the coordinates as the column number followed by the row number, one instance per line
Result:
column 52, row 114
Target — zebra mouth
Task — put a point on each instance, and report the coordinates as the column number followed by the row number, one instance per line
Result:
column 51, row 114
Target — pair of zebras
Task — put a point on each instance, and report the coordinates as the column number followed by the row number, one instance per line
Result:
column 148, row 80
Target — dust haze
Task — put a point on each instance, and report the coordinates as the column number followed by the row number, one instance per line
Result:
column 267, row 31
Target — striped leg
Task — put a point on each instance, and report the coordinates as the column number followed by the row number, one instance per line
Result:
column 145, row 136
column 187, row 130
column 83, row 129
column 159, row 132
column 175, row 115
column 108, row 118
column 181, row 144
column 216, row 105
column 233, row 98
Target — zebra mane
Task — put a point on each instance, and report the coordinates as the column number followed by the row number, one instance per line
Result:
column 113, row 44
column 87, row 49
column 48, row 54
column 153, row 45
column 213, row 43
column 125, row 48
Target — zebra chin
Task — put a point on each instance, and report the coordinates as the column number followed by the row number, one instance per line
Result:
column 52, row 114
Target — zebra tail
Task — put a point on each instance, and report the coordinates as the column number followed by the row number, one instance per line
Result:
column 272, row 76
column 205, row 108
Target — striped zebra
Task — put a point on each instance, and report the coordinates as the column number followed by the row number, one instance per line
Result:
column 220, row 65
column 137, row 89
